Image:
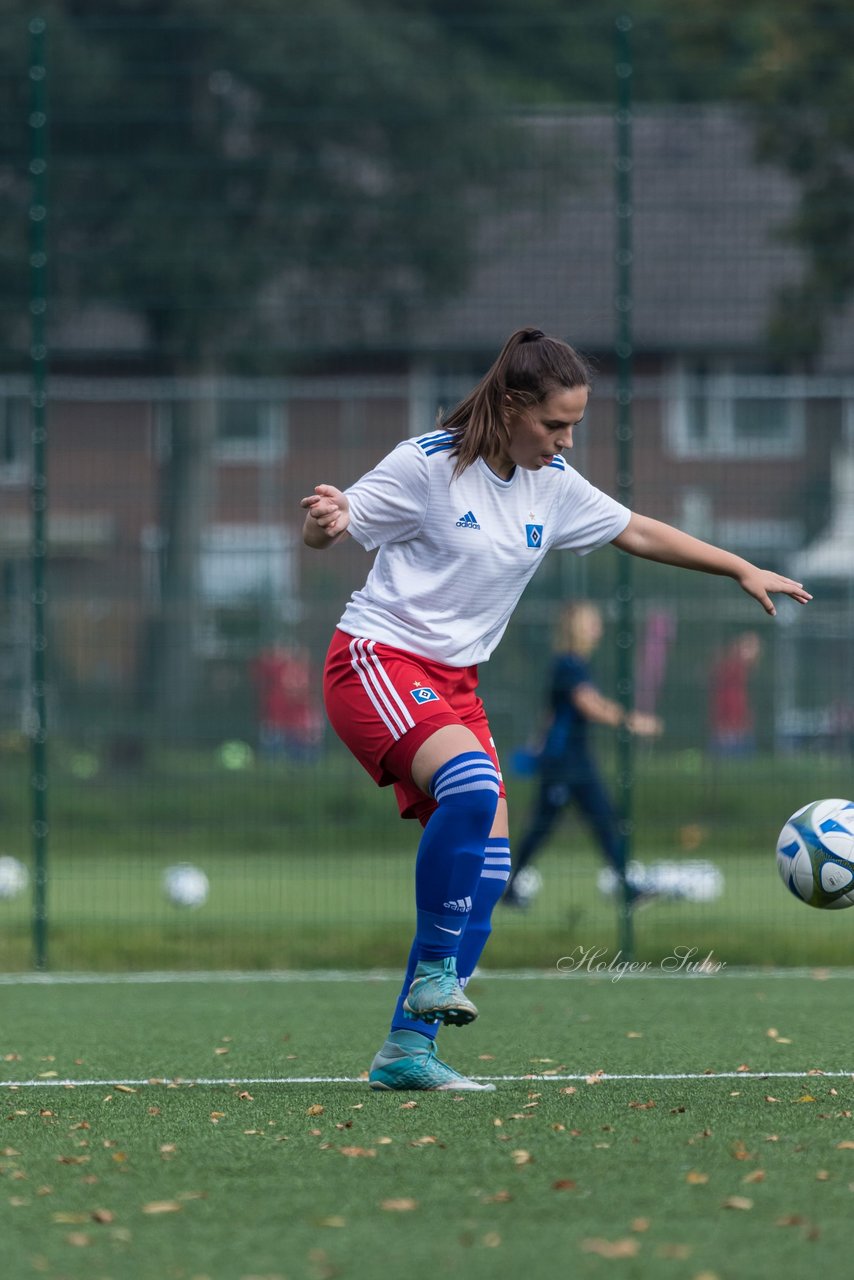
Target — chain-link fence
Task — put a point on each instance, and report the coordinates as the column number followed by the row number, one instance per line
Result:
column 251, row 284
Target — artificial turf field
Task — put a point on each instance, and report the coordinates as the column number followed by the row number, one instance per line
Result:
column 227, row 1134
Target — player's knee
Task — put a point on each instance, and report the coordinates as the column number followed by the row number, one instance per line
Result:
column 469, row 783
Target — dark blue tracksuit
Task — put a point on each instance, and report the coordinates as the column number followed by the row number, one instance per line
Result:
column 568, row 773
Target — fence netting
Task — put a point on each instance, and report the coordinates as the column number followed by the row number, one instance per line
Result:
column 277, row 248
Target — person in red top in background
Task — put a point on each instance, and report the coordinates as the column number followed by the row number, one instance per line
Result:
column 730, row 712
column 290, row 722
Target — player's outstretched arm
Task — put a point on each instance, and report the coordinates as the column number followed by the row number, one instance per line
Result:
column 654, row 540
column 327, row 516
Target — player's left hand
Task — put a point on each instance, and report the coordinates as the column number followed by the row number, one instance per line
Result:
column 762, row 583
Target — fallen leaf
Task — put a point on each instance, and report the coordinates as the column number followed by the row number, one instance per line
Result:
column 737, row 1202
column 314, row 1110
column 403, row 1204
column 756, row 1175
column 695, row 1179
column 162, row 1206
column 642, row 1106
column 103, row 1215
column 522, row 1157
column 845, row 1146
column 640, row 1224
column 680, row 1251
column 498, row 1197
column 564, row 1184
column 79, row 1239
column 491, row 1240
column 822, row 1176
column 124, row 1088
column 626, row 1248
column 807, row 1097
column 358, row 1151
column 335, row 1221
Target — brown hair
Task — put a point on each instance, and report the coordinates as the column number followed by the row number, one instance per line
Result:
column 528, row 368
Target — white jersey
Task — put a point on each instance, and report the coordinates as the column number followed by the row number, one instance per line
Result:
column 455, row 555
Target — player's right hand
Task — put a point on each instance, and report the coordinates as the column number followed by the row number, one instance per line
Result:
column 328, row 508
column 643, row 724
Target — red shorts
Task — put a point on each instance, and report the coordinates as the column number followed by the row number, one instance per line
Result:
column 384, row 703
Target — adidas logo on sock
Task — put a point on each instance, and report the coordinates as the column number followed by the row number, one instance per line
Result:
column 458, row 904
column 468, row 521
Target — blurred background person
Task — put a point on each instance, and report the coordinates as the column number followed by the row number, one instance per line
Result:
column 290, row 722
column 731, row 719
column 568, row 772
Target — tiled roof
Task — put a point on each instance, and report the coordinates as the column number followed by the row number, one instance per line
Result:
column 708, row 249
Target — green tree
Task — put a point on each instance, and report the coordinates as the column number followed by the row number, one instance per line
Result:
column 789, row 62
column 256, row 180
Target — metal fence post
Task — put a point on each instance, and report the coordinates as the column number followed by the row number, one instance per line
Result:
column 38, row 401
column 624, row 353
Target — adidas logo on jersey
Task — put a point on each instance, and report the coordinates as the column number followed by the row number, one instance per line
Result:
column 468, row 521
column 458, row 904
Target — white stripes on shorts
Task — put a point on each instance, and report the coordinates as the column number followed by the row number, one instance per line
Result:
column 387, row 702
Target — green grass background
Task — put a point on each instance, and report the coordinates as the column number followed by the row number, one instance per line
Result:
column 310, row 866
column 264, row 1186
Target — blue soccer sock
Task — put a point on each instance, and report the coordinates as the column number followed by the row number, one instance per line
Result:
column 400, row 1021
column 450, row 855
column 448, row 867
column 493, row 881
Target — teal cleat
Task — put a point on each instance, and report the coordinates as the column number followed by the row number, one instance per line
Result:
column 436, row 995
column 408, row 1060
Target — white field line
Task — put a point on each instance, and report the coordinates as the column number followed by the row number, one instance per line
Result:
column 605, row 973
column 590, row 1078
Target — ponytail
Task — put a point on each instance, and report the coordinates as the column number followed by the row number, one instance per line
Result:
column 528, row 368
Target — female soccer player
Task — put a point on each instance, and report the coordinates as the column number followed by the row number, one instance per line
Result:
column 462, row 518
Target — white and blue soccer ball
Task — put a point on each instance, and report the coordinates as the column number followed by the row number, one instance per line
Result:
column 185, row 885
column 815, row 854
column 14, row 877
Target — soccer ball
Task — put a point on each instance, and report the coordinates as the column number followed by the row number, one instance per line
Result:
column 13, row 877
column 815, row 854
column 527, row 885
column 185, row 885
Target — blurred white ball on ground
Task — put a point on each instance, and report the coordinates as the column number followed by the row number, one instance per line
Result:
column 14, row 877
column 185, row 885
column 527, row 885
column 691, row 881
